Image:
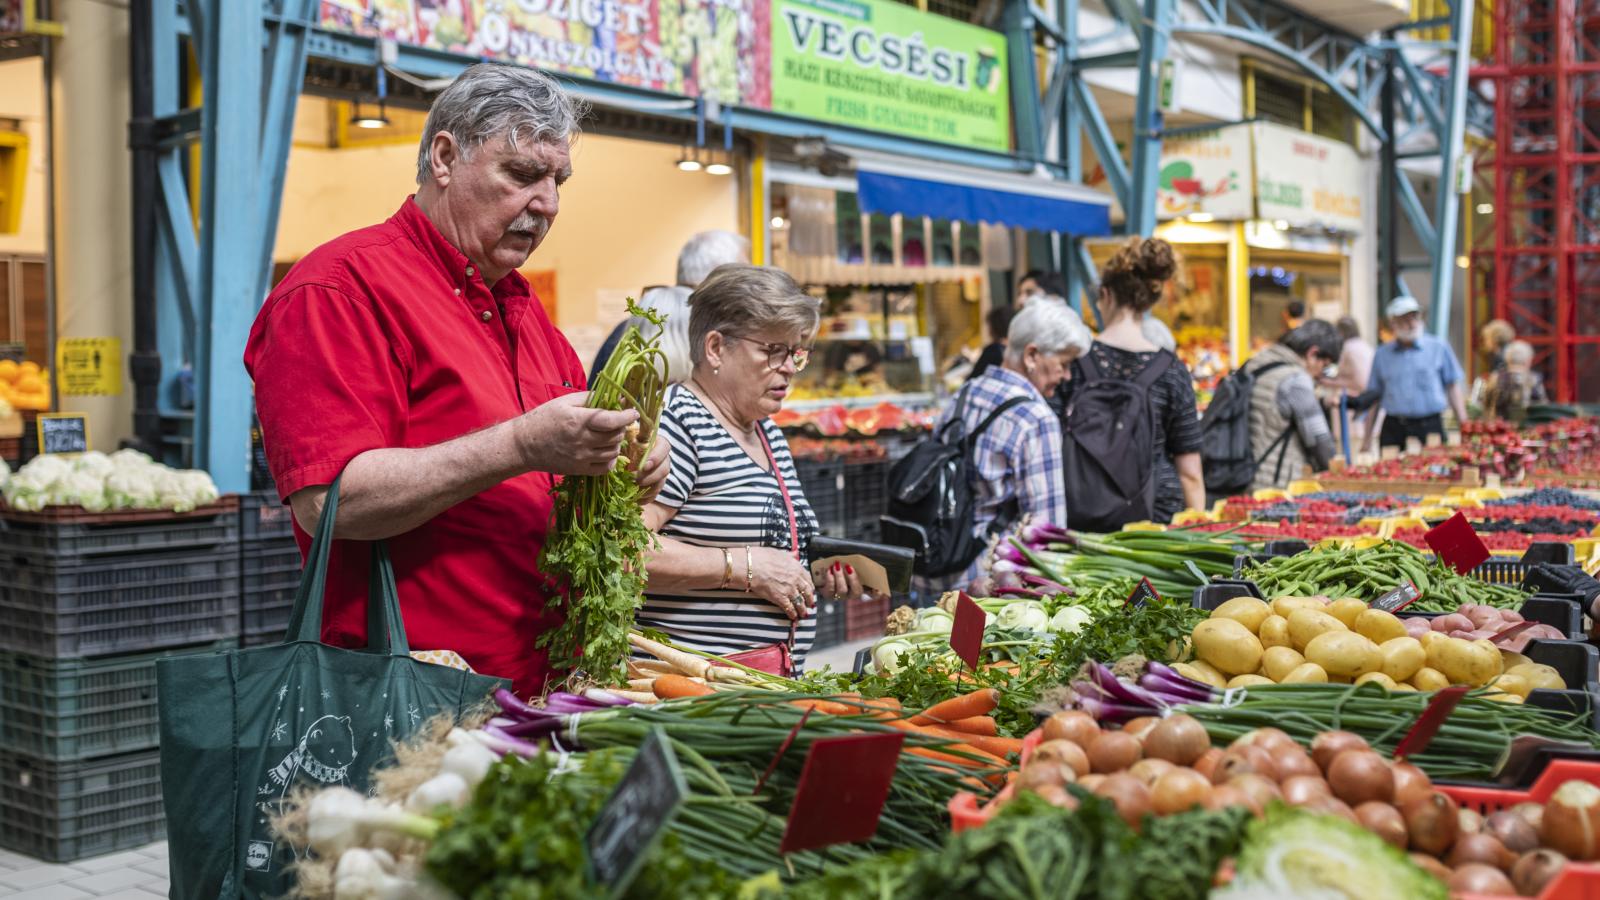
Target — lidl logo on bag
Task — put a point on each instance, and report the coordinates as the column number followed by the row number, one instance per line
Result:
column 258, row 856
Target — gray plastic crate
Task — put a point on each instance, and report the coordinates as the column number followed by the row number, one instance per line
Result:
column 268, row 576
column 263, row 516
column 128, row 604
column 74, row 709
column 823, row 485
column 830, row 624
column 62, row 812
column 213, row 528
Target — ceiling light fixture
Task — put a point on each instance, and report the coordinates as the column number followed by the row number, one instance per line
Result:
column 1280, row 224
column 1201, row 217
column 381, row 120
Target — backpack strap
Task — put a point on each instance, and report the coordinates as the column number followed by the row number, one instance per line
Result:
column 1154, row 369
column 972, row 439
column 955, row 414
column 1282, row 446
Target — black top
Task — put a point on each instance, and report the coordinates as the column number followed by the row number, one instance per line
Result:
column 1177, row 425
column 993, row 355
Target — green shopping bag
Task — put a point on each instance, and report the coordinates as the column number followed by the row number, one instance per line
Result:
column 240, row 729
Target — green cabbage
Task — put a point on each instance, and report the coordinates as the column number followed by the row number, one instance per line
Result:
column 1295, row 853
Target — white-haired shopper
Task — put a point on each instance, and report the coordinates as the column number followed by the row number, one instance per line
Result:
column 1017, row 456
column 412, row 360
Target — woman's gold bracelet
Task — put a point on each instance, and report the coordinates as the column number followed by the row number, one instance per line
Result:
column 727, row 568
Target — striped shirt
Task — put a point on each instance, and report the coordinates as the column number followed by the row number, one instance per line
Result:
column 723, row 498
column 1018, row 457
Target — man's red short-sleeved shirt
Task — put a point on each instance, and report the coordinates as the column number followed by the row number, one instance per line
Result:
column 388, row 337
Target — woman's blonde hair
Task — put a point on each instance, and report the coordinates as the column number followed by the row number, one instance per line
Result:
column 743, row 300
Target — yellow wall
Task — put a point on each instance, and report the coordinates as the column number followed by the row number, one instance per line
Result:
column 624, row 215
column 22, row 99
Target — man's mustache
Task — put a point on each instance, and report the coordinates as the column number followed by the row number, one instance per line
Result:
column 536, row 225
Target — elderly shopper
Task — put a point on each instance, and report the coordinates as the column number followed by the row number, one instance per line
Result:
column 732, row 572
column 1017, row 448
column 413, row 360
column 1515, row 387
column 1414, row 377
column 1288, row 429
column 700, row 255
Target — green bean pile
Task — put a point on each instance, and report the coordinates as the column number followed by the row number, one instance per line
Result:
column 1470, row 745
column 1372, row 572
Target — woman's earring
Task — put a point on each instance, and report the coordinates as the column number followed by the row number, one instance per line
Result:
column 717, row 371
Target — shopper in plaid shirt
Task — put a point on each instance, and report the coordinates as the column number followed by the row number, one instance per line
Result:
column 1018, row 457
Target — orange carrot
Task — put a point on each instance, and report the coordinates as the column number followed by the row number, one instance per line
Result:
column 1001, row 747
column 672, row 687
column 974, row 725
column 986, row 756
column 977, row 703
column 828, row 707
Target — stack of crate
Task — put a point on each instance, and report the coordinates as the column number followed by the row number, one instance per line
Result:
column 269, row 568
column 90, row 601
column 866, row 498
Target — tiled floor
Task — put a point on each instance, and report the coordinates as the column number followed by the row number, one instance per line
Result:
column 130, row 875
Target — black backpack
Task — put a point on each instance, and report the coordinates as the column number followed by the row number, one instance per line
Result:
column 931, row 496
column 1225, row 455
column 1107, row 443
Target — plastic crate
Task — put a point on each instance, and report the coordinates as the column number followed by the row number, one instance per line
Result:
column 1210, row 596
column 1575, row 881
column 1514, row 571
column 61, row 812
column 263, row 516
column 830, row 624
column 63, row 535
column 66, row 710
column 823, row 485
column 269, row 573
column 865, row 618
column 127, row 604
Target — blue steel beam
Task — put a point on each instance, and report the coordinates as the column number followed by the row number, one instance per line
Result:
column 1450, row 149
column 1147, row 116
column 1025, row 118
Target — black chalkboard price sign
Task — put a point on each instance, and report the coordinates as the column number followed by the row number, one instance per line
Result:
column 640, row 808
column 64, row 433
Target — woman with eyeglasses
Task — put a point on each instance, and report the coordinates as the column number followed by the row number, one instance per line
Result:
column 731, row 573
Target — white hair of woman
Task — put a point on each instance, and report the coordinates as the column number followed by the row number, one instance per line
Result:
column 672, row 302
column 706, row 251
column 1049, row 324
column 489, row 101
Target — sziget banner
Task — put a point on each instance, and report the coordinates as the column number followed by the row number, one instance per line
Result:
column 870, row 64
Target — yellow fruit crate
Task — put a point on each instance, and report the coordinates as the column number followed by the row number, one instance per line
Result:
column 1462, row 502
column 1430, row 512
column 1304, row 486
column 1193, row 517
column 1218, row 507
column 1335, row 543
column 1269, row 494
column 1390, row 526
column 1363, row 543
column 1487, row 493
column 1144, row 526
column 1433, row 499
column 1375, row 523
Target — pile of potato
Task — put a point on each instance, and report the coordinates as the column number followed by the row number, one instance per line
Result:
column 1248, row 641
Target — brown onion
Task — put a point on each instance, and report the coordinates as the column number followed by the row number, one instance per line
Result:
column 1385, row 821
column 1432, row 823
column 1357, row 776
column 1410, row 783
column 1268, row 739
column 1430, row 865
column 1333, row 806
column 1179, row 790
column 1178, row 739
column 1090, row 782
column 1226, row 795
column 1260, row 791
column 1061, row 752
column 1114, row 751
column 1128, row 795
column 1534, row 870
column 1477, row 878
column 1056, row 795
column 1140, row 727
column 1572, row 821
column 1291, row 761
column 1037, row 775
column 1246, row 760
column 1072, row 725
column 1471, row 821
column 1327, row 745
column 1480, row 848
column 1532, row 812
column 1207, row 763
column 1150, row 770
column 1301, row 789
column 1513, row 831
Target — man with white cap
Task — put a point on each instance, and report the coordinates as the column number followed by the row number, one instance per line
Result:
column 1413, row 378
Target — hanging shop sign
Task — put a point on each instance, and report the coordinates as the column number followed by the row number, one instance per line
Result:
column 1208, row 173
column 1306, row 180
column 885, row 66
column 870, row 64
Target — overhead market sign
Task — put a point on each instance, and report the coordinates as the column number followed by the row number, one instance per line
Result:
column 1209, row 173
column 1307, row 180
column 868, row 64
column 885, row 66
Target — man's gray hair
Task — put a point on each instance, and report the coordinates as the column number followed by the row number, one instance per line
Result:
column 1049, row 324
column 747, row 301
column 489, row 101
column 708, row 250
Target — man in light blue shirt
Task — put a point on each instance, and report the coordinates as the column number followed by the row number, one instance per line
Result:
column 1413, row 378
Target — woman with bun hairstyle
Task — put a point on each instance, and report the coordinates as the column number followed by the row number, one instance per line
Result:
column 1131, row 283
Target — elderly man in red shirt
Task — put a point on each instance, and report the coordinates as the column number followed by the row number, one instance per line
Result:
column 412, row 357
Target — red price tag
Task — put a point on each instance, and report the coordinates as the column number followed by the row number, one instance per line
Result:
column 1142, row 594
column 1457, row 543
column 842, row 789
column 966, row 634
column 1502, row 638
column 1431, row 720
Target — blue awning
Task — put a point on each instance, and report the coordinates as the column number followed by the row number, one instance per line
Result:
column 974, row 195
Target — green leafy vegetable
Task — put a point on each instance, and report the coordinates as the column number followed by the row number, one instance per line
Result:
column 1294, row 853
column 597, row 546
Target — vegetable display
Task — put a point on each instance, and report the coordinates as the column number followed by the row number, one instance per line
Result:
column 1368, row 574
column 598, row 542
column 1175, row 561
column 98, row 482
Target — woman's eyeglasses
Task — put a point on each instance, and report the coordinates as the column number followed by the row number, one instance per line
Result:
column 777, row 353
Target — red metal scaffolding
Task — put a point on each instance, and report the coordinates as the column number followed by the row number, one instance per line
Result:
column 1540, row 262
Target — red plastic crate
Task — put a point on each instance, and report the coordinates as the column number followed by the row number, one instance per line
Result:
column 1578, row 881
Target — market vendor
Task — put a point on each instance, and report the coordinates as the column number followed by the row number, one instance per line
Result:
column 731, row 573
column 1413, row 378
column 413, row 358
